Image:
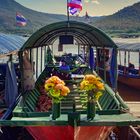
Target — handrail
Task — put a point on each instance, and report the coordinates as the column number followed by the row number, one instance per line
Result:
column 121, row 101
column 110, row 91
column 10, row 109
column 135, row 131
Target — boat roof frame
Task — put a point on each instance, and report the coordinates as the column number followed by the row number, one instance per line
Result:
column 83, row 33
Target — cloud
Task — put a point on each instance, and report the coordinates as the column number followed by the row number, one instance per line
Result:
column 95, row 1
column 92, row 1
column 86, row 1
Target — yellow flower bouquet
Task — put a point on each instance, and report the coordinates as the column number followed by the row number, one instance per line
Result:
column 94, row 89
column 56, row 89
column 92, row 83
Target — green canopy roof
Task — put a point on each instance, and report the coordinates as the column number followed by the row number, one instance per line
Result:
column 84, row 34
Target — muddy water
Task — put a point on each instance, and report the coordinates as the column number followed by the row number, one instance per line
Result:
column 128, row 93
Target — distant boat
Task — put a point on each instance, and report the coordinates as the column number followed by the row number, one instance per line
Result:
column 127, row 73
column 9, row 46
column 131, row 79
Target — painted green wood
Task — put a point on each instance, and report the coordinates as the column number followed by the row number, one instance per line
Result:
column 106, row 102
column 125, row 119
column 74, row 26
column 111, row 104
column 76, row 99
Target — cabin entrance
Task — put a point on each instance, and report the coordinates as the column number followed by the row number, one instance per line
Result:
column 75, row 41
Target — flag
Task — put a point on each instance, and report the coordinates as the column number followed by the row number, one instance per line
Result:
column 73, row 10
column 75, row 4
column 20, row 19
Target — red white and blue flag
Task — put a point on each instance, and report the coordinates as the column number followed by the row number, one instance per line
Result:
column 77, row 4
column 73, row 10
column 20, row 19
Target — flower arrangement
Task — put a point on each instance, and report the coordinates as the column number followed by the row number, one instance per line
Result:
column 56, row 89
column 94, row 84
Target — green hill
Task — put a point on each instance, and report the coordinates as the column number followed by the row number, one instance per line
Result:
column 125, row 21
column 35, row 20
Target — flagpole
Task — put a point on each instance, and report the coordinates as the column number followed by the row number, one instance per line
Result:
column 67, row 11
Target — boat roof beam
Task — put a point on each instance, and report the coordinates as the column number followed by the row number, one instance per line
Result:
column 82, row 33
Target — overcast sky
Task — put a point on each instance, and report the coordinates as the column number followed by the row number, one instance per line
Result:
column 93, row 7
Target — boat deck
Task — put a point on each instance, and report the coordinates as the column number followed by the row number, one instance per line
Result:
column 99, row 120
column 111, row 110
column 134, row 108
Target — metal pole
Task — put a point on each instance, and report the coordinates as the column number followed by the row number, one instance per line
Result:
column 104, row 63
column 124, row 62
column 116, row 71
column 139, row 62
column 36, row 63
column 120, row 57
column 125, row 58
column 97, row 60
column 67, row 11
column 41, row 58
column 128, row 57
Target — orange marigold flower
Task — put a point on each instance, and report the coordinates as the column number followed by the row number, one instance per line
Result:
column 56, row 88
column 100, row 86
column 90, row 77
column 65, row 91
column 59, row 86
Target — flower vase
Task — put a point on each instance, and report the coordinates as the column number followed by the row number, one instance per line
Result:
column 91, row 107
column 56, row 111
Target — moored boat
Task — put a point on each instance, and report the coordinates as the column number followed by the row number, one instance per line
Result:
column 9, row 46
column 74, row 119
column 129, row 70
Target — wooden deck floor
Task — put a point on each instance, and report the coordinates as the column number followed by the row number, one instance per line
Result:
column 134, row 108
column 132, row 98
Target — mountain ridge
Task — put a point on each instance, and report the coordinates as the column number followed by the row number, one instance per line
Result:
column 125, row 20
column 8, row 9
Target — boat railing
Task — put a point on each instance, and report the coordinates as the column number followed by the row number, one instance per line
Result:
column 106, row 104
column 8, row 114
column 76, row 100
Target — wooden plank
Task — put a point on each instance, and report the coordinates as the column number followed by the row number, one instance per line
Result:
column 134, row 108
column 99, row 120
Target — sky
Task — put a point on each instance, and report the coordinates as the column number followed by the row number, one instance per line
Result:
column 93, row 7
